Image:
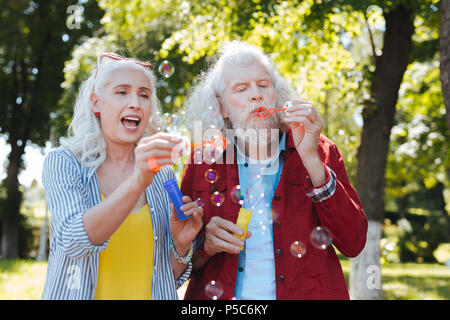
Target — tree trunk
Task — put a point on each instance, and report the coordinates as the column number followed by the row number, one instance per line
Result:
column 444, row 50
column 42, row 255
column 10, row 208
column 378, row 116
column 365, row 275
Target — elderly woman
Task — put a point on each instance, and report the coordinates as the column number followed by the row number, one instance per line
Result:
column 114, row 233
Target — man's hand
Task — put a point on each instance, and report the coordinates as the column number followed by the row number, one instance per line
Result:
column 219, row 237
column 306, row 126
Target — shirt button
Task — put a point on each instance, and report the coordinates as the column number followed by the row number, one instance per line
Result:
column 246, row 164
column 278, row 251
column 277, row 197
column 241, row 269
column 280, row 277
column 277, row 223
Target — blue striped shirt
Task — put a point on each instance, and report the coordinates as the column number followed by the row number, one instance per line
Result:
column 72, row 271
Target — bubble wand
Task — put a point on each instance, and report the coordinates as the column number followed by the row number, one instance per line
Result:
column 262, row 112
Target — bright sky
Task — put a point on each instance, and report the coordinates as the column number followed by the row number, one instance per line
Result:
column 34, row 159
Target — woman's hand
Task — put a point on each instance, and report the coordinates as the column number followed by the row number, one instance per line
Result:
column 185, row 231
column 157, row 147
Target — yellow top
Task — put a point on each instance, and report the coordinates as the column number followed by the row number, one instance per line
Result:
column 126, row 265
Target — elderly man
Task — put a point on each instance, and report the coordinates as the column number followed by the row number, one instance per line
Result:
column 305, row 197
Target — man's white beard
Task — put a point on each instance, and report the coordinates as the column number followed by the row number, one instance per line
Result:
column 244, row 121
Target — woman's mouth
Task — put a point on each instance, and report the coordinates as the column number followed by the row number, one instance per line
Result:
column 131, row 122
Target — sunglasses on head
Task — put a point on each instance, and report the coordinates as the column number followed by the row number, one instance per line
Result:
column 117, row 57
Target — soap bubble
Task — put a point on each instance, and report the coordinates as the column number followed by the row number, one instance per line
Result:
column 200, row 202
column 321, row 237
column 198, row 156
column 211, row 153
column 217, row 198
column 255, row 191
column 214, row 290
column 170, row 122
column 181, row 151
column 236, row 195
column 219, row 141
column 156, row 121
column 211, row 175
column 212, row 119
column 298, row 249
column 166, row 68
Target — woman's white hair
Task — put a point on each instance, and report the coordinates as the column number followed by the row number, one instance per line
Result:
column 203, row 96
column 84, row 135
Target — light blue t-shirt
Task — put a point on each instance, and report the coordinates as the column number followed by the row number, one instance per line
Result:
column 256, row 269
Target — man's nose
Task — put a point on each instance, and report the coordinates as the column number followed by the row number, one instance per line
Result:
column 255, row 94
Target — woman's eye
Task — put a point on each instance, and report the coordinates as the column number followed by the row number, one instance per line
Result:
column 144, row 95
column 241, row 89
column 122, row 92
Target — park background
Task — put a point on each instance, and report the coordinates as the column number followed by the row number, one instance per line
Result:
column 375, row 70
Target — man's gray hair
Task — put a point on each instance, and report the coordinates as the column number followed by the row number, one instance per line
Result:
column 202, row 98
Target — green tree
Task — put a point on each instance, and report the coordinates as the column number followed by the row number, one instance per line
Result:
column 416, row 173
column 389, row 63
column 445, row 54
column 36, row 37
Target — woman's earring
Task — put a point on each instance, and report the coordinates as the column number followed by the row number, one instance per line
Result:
column 97, row 114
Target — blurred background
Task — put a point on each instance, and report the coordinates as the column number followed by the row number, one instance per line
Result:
column 377, row 71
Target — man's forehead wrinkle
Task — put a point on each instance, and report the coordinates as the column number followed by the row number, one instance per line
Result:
column 235, row 75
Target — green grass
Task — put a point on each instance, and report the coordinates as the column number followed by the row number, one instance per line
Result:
column 412, row 281
column 24, row 279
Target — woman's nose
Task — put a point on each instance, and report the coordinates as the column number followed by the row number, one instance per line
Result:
column 134, row 101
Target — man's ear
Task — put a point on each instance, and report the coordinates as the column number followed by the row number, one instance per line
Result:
column 94, row 101
column 223, row 112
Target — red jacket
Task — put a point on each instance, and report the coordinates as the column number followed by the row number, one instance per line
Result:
column 318, row 274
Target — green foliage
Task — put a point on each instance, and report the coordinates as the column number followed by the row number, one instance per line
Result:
column 419, row 149
column 35, row 40
column 420, row 243
column 32, row 55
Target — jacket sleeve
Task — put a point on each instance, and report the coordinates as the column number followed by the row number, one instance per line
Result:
column 342, row 211
column 67, row 200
